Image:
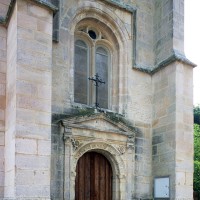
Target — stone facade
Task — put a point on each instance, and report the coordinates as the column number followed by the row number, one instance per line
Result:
column 147, row 132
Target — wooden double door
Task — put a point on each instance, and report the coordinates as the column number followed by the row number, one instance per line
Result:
column 93, row 178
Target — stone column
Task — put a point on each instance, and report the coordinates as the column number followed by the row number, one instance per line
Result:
column 28, row 98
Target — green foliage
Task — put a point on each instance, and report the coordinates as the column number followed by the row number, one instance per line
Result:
column 197, row 157
column 197, row 142
column 197, row 176
column 197, row 114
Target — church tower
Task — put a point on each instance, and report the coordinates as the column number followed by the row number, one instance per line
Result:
column 96, row 100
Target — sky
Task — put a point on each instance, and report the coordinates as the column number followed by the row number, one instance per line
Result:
column 192, row 42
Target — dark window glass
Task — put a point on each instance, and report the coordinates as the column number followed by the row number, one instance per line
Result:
column 102, row 70
column 92, row 34
column 80, row 72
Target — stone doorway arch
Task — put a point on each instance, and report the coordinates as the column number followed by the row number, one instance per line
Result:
column 113, row 156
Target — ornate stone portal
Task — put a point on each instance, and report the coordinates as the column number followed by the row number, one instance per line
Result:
column 100, row 134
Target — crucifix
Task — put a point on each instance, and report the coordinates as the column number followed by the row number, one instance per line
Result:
column 97, row 81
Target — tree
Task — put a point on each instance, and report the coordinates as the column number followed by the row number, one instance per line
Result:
column 197, row 157
column 197, row 114
column 197, row 148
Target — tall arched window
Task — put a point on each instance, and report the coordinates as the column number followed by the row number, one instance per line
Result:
column 81, row 72
column 102, row 70
column 90, row 58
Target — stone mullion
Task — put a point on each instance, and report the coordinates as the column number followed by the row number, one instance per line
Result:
column 92, row 72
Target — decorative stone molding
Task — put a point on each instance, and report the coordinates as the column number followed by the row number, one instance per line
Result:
column 67, row 135
column 120, row 153
column 121, row 149
column 114, row 154
column 131, row 142
column 176, row 56
column 75, row 143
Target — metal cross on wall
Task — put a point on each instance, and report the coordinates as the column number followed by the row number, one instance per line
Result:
column 97, row 81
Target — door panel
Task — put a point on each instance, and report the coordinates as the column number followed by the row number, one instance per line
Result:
column 93, row 178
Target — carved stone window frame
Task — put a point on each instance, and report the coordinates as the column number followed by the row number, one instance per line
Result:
column 109, row 21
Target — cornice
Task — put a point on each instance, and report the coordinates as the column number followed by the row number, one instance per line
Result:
column 5, row 20
column 122, row 5
column 175, row 57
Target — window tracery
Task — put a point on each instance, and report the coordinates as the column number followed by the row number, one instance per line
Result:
column 92, row 55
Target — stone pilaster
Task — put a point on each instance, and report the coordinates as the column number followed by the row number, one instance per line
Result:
column 3, row 52
column 184, row 132
column 28, row 122
column 172, row 128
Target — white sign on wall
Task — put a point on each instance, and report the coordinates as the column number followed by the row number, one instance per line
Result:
column 161, row 187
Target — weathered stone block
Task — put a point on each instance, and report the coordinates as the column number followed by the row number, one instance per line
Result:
column 3, row 31
column 32, row 162
column 27, row 115
column 26, row 146
column 44, row 92
column 157, row 139
column 24, row 33
column 33, row 103
column 32, row 177
column 44, row 147
column 40, row 13
column 26, row 21
column 2, row 67
column 33, row 75
column 26, row 88
column 44, row 27
column 2, row 139
column 2, row 89
column 33, row 131
column 2, row 102
column 2, row 78
column 36, row 191
column 1, row 178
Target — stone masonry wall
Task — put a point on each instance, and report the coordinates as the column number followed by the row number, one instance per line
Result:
column 3, row 66
column 29, row 102
column 163, row 30
column 144, row 33
column 149, row 102
column 136, row 91
column 184, row 132
column 57, row 163
column 11, row 107
column 3, row 63
column 172, row 128
column 140, row 114
column 168, row 29
column 164, row 123
column 63, row 51
column 178, row 25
